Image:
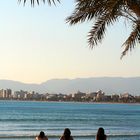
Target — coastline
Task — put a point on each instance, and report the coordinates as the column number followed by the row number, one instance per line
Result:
column 70, row 102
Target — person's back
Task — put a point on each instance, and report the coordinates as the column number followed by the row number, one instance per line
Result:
column 42, row 136
column 66, row 135
column 64, row 138
column 100, row 134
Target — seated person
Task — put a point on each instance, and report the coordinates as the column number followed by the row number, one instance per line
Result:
column 41, row 136
column 101, row 134
column 66, row 135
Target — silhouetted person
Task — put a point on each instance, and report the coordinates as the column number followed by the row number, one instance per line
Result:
column 66, row 135
column 41, row 136
column 100, row 134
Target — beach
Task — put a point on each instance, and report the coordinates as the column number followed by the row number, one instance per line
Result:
column 25, row 119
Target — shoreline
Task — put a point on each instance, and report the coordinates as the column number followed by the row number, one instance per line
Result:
column 70, row 102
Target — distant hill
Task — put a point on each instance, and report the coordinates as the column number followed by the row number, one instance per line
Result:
column 107, row 84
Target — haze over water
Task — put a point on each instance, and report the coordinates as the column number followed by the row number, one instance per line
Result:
column 24, row 120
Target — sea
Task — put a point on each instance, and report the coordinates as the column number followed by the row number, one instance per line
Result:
column 23, row 120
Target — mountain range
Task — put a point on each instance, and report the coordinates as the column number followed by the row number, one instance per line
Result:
column 109, row 85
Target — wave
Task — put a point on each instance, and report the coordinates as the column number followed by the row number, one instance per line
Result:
column 78, row 136
column 42, row 120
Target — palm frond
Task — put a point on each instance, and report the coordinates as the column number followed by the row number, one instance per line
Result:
column 98, row 30
column 106, row 12
column 96, row 33
column 103, row 13
column 86, row 10
column 38, row 1
column 134, row 6
column 131, row 41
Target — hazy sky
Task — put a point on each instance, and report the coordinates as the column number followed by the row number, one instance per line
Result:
column 36, row 44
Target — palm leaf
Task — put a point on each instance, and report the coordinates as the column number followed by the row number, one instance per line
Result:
column 98, row 30
column 38, row 1
column 106, row 12
column 134, row 37
column 86, row 10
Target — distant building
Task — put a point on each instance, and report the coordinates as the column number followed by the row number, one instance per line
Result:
column 115, row 98
column 52, row 97
column 126, row 97
column 100, row 96
column 91, row 95
column 20, row 94
column 78, row 95
column 5, row 93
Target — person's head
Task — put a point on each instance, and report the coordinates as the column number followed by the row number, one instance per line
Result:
column 101, row 134
column 67, row 133
column 42, row 134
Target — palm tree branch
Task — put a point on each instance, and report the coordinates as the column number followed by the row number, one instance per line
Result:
column 129, row 14
column 132, row 39
column 97, row 32
column 86, row 10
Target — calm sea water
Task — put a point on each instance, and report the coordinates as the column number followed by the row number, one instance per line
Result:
column 24, row 120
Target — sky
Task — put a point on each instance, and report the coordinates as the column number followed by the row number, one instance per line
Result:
column 36, row 44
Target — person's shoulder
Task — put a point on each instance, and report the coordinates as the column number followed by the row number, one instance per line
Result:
column 62, row 138
column 46, row 138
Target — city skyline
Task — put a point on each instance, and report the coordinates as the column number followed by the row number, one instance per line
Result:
column 107, row 84
column 36, row 44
